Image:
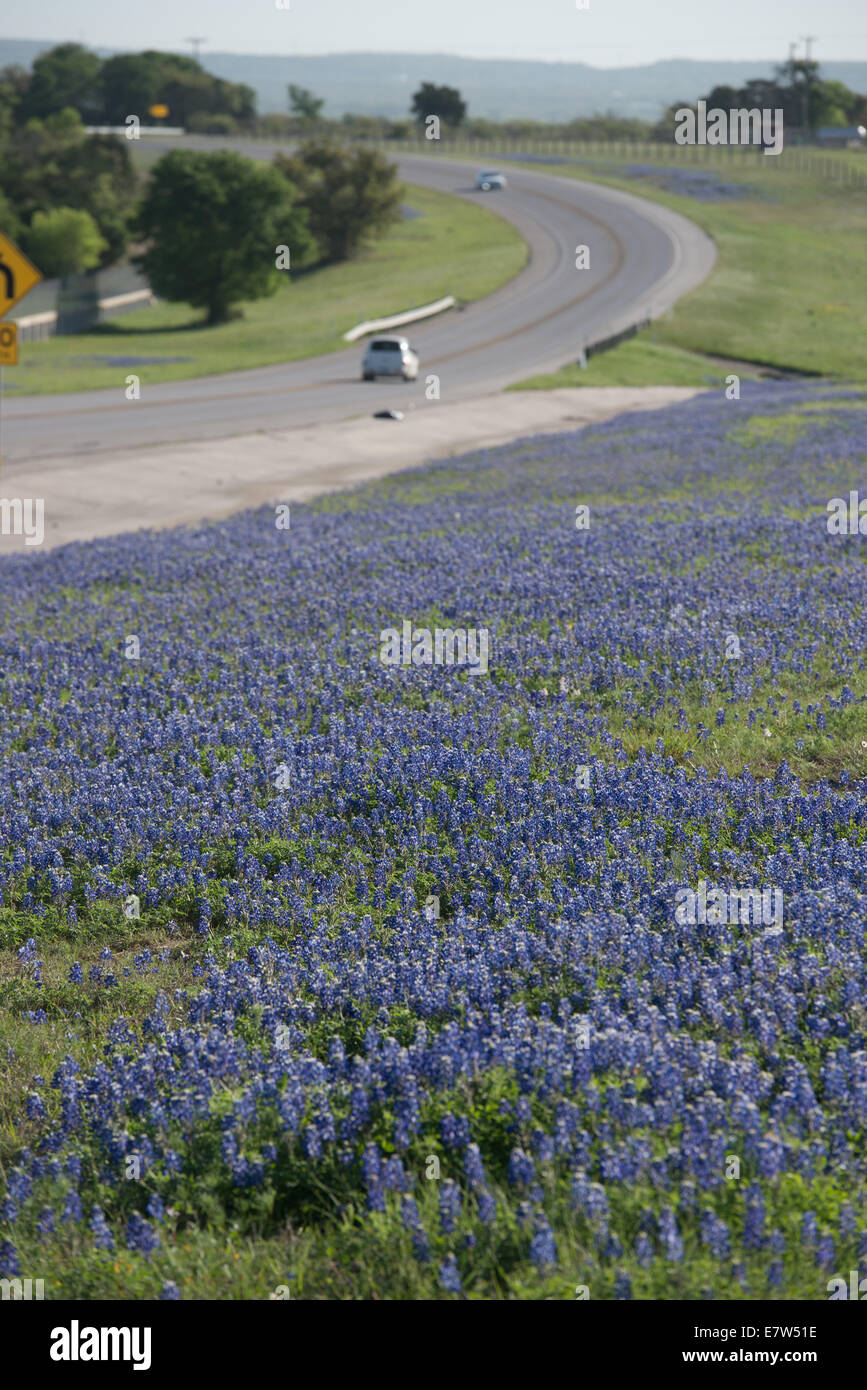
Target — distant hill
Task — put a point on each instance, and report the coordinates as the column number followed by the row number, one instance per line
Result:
column 382, row 83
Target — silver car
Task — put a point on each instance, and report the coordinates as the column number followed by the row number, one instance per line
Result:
column 490, row 178
column 389, row 357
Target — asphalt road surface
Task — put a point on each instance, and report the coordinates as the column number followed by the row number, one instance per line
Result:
column 642, row 258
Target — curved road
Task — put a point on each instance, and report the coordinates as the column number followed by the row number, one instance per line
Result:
column 642, row 258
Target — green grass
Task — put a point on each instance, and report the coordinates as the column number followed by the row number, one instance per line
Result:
column 454, row 248
column 787, row 290
column 641, row 361
column 780, row 733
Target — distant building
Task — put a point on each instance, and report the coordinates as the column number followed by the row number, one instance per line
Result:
column 844, row 137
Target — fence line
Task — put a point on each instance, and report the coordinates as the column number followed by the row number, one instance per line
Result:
column 799, row 159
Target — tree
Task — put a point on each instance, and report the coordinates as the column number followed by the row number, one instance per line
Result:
column 303, row 104
column 214, row 222
column 445, row 102
column 130, row 84
column 348, row 194
column 14, row 81
column 806, row 100
column 64, row 241
column 832, row 103
column 67, row 75
column 53, row 163
column 10, row 223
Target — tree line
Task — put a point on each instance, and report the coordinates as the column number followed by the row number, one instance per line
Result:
column 105, row 91
column 205, row 226
column 808, row 102
column 75, row 201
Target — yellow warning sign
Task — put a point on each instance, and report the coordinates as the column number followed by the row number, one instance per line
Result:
column 158, row 111
column 17, row 275
column 8, row 344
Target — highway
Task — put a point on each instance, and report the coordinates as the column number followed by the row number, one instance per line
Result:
column 642, row 258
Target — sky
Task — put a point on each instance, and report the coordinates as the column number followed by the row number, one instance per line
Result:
column 608, row 33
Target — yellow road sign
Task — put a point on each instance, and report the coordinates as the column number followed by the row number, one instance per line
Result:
column 17, row 275
column 158, row 111
column 8, row 344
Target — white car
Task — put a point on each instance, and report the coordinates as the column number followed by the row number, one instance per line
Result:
column 490, row 178
column 389, row 357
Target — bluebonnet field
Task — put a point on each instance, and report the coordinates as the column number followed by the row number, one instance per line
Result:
column 284, row 1075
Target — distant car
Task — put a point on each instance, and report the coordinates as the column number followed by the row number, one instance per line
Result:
column 389, row 357
column 490, row 178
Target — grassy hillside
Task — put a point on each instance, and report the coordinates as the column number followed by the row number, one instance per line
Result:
column 788, row 290
column 285, row 1080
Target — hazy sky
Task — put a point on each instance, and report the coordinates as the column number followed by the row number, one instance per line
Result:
column 610, row 33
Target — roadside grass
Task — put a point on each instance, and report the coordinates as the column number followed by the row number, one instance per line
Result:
column 77, row 1016
column 368, row 1256
column 454, row 248
column 783, row 727
column 640, row 361
column 356, row 1254
column 786, row 292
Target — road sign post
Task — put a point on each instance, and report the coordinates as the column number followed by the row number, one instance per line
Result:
column 17, row 278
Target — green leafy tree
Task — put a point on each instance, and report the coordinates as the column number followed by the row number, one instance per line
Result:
column 213, row 223
column 53, row 163
column 806, row 100
column 133, row 82
column 10, row 223
column 348, row 194
column 303, row 104
column 130, row 84
column 67, row 75
column 445, row 102
column 14, row 81
column 64, row 241
column 832, row 103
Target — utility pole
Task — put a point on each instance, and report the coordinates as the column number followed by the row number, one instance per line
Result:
column 196, row 45
column 808, row 40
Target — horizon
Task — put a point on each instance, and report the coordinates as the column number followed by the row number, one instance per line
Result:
column 421, row 53
column 554, row 31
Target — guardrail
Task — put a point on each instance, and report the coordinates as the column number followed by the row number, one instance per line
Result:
column 34, row 327
column 142, row 130
column 397, row 320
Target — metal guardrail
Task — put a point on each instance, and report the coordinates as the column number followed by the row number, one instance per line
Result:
column 142, row 130
column 396, row 320
column 34, row 327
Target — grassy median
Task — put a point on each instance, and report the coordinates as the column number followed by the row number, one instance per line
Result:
column 787, row 289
